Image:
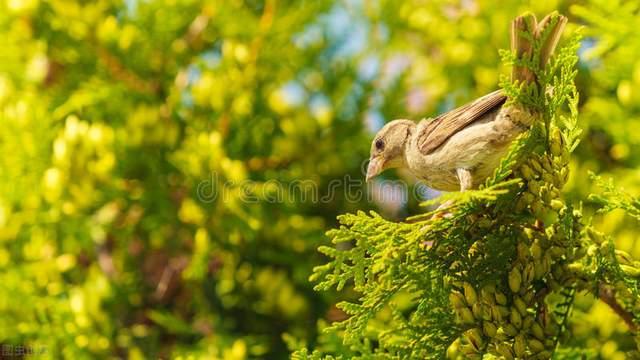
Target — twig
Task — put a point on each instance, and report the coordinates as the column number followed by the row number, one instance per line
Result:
column 606, row 294
column 121, row 73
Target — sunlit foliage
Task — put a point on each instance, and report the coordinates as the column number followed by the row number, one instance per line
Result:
column 144, row 141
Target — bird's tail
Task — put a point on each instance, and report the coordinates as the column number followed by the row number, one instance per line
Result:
column 525, row 32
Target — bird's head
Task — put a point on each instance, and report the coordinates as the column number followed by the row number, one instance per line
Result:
column 387, row 148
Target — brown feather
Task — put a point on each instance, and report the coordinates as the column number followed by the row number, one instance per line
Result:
column 438, row 130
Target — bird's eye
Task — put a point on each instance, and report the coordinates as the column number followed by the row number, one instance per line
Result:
column 379, row 144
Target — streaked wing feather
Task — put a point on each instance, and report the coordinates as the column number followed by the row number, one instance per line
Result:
column 438, row 130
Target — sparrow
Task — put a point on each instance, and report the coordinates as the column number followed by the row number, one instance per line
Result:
column 459, row 149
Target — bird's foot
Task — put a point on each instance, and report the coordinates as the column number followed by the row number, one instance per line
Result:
column 441, row 212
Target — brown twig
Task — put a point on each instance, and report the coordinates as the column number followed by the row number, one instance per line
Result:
column 264, row 25
column 196, row 28
column 607, row 295
column 121, row 73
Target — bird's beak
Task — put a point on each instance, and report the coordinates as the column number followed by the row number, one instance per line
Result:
column 375, row 167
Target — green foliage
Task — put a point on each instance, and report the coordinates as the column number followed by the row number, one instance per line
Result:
column 612, row 198
column 121, row 118
column 507, row 261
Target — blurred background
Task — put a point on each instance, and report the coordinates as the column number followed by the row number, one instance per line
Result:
column 144, row 142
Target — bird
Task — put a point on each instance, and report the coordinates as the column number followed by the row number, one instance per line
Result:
column 458, row 150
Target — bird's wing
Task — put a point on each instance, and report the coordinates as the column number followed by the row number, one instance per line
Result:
column 438, row 130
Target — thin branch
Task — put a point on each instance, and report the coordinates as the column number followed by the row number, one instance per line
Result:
column 121, row 73
column 606, row 294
